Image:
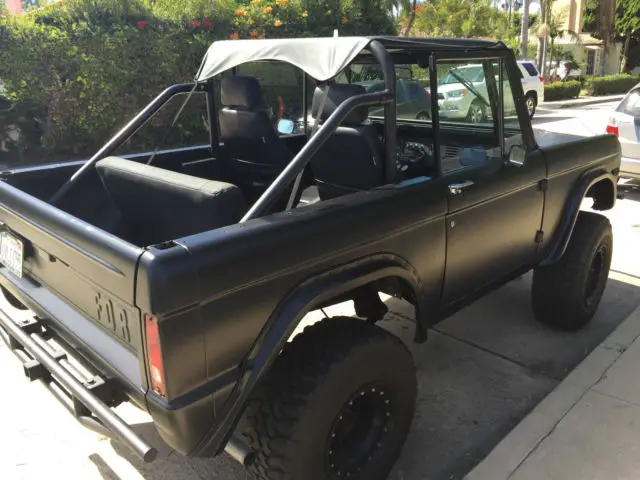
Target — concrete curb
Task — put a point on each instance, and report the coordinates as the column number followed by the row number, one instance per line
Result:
column 525, row 437
column 581, row 102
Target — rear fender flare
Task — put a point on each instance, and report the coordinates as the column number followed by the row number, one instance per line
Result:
column 285, row 318
column 571, row 211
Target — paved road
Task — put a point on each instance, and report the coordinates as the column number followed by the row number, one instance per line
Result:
column 480, row 372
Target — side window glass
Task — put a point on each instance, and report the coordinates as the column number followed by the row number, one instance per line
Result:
column 463, row 96
column 281, row 85
column 512, row 130
column 467, row 123
column 412, row 100
column 190, row 130
column 631, row 105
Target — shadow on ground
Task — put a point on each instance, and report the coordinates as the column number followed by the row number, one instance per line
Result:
column 479, row 373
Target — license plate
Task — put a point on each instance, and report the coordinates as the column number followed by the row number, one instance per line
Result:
column 11, row 253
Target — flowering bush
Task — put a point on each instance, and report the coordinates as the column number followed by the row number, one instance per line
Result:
column 80, row 69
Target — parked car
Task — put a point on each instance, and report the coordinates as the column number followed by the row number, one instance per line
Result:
column 566, row 70
column 412, row 101
column 624, row 123
column 532, row 84
column 179, row 291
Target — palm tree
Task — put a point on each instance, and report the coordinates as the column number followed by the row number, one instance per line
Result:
column 399, row 7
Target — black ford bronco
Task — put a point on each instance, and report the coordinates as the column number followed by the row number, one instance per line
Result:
column 174, row 279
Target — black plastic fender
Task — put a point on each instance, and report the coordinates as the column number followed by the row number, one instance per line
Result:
column 572, row 209
column 286, row 317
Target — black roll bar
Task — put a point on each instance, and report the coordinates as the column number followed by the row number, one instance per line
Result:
column 129, row 129
column 300, row 161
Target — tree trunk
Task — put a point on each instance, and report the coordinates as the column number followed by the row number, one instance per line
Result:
column 524, row 38
column 625, row 53
column 412, row 18
column 540, row 52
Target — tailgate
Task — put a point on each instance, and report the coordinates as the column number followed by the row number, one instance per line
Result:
column 77, row 278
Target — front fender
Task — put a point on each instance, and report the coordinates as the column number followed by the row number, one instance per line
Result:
column 572, row 209
column 286, row 317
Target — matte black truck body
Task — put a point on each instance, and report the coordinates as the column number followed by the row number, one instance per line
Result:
column 227, row 300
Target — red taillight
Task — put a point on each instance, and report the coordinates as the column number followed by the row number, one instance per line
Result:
column 542, row 79
column 612, row 126
column 154, row 356
column 613, row 130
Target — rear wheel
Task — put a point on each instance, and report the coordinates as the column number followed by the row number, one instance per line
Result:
column 531, row 103
column 337, row 404
column 567, row 293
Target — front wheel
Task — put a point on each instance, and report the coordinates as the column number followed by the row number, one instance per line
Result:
column 477, row 112
column 338, row 403
column 566, row 294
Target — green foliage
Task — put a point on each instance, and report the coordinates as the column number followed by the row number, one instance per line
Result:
column 611, row 84
column 461, row 18
column 627, row 20
column 77, row 71
column 561, row 90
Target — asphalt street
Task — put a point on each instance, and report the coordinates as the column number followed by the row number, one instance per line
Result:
column 480, row 372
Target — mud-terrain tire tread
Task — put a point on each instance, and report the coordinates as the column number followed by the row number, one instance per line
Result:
column 304, row 365
column 557, row 291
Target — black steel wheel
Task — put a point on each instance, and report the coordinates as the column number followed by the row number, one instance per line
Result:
column 337, row 404
column 567, row 293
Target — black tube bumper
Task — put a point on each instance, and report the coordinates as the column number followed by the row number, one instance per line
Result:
column 88, row 399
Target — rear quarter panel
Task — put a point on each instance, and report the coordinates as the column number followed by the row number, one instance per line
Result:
column 245, row 270
column 569, row 158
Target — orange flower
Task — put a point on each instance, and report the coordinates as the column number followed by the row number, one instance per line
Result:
column 305, row 14
column 253, row 34
column 255, row 2
column 234, row 36
column 344, row 20
column 268, row 9
column 240, row 13
column 282, row 3
column 251, row 22
column 277, row 23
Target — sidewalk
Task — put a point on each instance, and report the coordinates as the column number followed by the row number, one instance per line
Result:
column 588, row 428
column 582, row 101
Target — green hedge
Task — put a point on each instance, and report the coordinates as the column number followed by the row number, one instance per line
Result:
column 561, row 90
column 77, row 71
column 610, row 84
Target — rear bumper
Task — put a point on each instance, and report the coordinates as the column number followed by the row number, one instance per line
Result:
column 116, row 374
column 88, row 398
column 630, row 167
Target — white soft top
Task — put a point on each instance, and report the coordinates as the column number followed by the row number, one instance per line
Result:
column 321, row 58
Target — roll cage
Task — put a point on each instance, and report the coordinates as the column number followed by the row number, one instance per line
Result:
column 385, row 52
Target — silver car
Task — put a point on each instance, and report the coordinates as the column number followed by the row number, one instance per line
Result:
column 624, row 122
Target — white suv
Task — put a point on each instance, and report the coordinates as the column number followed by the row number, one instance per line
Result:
column 532, row 85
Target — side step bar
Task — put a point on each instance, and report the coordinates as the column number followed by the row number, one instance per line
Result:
column 42, row 362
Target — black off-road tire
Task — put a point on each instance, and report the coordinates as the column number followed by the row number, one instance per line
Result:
column 566, row 294
column 331, row 374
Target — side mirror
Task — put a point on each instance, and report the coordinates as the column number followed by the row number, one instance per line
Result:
column 517, row 156
column 285, row 126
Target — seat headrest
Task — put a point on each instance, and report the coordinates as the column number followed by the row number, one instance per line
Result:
column 238, row 91
column 336, row 94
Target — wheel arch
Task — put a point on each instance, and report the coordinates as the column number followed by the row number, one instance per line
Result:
column 306, row 296
column 599, row 185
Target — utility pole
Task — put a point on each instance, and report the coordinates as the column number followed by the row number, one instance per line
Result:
column 524, row 36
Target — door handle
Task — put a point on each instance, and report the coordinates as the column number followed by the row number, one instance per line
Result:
column 457, row 188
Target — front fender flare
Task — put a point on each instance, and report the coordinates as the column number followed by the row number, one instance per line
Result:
column 571, row 211
column 286, row 317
